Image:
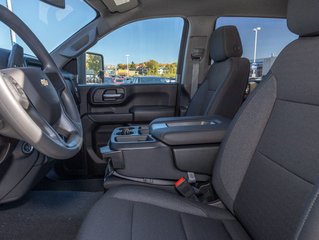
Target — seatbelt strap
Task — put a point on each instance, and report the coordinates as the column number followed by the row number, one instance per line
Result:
column 151, row 181
column 197, row 55
column 195, row 76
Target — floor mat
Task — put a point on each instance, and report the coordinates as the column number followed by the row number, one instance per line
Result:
column 84, row 185
column 46, row 215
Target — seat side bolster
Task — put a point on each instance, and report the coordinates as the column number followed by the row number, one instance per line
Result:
column 164, row 199
column 239, row 145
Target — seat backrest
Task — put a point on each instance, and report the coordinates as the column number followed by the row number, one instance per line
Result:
column 268, row 169
column 223, row 88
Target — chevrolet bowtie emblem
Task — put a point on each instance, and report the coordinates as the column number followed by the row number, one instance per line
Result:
column 44, row 82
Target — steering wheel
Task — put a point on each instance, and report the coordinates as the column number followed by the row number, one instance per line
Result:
column 36, row 104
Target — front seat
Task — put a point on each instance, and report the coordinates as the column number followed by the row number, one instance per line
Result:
column 222, row 91
column 267, row 172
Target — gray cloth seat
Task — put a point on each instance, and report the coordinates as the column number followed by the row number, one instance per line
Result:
column 222, row 90
column 267, row 172
column 135, row 212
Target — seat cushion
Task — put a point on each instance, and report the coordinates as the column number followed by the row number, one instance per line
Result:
column 135, row 212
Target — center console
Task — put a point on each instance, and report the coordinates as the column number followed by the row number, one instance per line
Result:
column 167, row 149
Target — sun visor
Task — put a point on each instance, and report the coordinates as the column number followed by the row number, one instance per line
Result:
column 120, row 5
column 55, row 3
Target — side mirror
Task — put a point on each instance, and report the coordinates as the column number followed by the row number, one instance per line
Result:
column 94, row 67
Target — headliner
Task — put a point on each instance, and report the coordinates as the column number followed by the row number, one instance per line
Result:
column 261, row 8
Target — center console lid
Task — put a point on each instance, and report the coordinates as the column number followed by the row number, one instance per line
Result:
column 190, row 130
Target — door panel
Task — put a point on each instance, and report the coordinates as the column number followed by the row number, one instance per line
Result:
column 105, row 107
column 128, row 103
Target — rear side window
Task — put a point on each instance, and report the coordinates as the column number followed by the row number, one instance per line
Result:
column 262, row 38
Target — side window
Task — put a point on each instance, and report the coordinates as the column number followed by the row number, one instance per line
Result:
column 142, row 52
column 262, row 39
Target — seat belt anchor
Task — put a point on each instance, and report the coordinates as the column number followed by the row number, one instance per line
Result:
column 191, row 178
column 197, row 54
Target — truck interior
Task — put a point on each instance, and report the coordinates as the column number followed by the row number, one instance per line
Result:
column 148, row 119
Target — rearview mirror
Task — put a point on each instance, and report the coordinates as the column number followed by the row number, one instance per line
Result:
column 55, row 3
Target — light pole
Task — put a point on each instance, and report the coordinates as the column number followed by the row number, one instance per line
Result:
column 256, row 39
column 12, row 33
column 127, row 56
column 254, row 66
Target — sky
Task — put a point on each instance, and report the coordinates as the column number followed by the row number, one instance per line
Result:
column 51, row 25
column 157, row 39
column 272, row 38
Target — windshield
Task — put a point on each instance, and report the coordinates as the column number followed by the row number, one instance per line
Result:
column 50, row 24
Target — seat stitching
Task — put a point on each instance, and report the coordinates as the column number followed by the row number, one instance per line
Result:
column 283, row 167
column 226, row 229
column 151, row 204
column 132, row 213
column 183, row 227
column 292, row 101
column 314, row 200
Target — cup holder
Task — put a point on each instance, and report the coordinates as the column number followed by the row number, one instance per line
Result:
column 130, row 136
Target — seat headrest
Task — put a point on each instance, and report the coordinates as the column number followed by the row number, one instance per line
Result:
column 225, row 43
column 303, row 17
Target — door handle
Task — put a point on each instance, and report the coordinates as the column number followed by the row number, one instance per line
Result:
column 112, row 95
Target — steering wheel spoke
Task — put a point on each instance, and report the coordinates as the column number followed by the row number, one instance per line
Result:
column 65, row 127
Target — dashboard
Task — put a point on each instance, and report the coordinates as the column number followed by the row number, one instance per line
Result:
column 28, row 60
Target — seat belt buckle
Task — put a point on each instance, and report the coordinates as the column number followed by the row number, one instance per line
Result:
column 184, row 188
